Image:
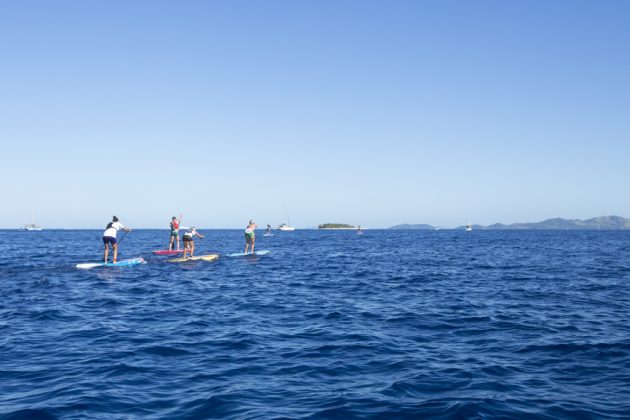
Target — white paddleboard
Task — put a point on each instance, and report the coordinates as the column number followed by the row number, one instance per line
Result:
column 249, row 254
column 121, row 263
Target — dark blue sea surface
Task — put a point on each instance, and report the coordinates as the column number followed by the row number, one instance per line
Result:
column 331, row 324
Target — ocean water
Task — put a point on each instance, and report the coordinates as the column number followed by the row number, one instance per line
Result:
column 331, row 324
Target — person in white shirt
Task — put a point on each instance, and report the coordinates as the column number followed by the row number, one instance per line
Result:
column 109, row 237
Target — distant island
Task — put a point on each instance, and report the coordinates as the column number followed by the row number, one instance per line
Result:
column 335, row 226
column 596, row 223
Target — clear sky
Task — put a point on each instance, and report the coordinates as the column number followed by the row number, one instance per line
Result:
column 363, row 112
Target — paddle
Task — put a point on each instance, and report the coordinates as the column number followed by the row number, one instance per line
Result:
column 179, row 224
column 123, row 237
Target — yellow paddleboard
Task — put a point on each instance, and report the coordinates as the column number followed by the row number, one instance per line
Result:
column 209, row 257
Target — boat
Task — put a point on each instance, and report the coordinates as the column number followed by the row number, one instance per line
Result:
column 468, row 227
column 286, row 227
column 31, row 227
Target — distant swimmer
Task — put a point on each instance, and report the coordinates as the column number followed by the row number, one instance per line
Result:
column 268, row 233
column 250, row 236
column 189, row 240
column 109, row 237
column 175, row 222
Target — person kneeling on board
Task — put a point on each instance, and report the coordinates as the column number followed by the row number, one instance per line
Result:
column 109, row 237
column 250, row 236
column 189, row 240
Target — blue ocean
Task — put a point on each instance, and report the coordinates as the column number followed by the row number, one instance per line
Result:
column 390, row 324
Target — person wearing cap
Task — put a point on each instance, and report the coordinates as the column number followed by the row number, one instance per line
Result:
column 250, row 237
column 175, row 222
column 189, row 240
column 109, row 237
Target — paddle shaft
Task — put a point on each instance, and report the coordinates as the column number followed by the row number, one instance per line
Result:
column 123, row 237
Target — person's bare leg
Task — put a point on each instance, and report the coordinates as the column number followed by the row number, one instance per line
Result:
column 185, row 248
column 106, row 253
column 170, row 244
column 178, row 242
column 253, row 243
column 115, row 252
column 192, row 249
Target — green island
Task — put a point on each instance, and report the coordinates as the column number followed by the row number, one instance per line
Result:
column 335, row 226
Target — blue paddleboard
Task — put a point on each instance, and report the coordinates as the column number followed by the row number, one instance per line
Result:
column 249, row 254
column 121, row 263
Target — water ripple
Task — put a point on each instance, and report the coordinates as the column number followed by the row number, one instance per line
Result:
column 329, row 325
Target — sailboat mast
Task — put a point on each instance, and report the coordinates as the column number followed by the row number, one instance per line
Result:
column 287, row 213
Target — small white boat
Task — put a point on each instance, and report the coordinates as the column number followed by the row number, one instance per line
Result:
column 468, row 227
column 286, row 228
column 32, row 227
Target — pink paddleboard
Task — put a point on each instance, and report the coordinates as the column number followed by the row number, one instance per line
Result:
column 167, row 252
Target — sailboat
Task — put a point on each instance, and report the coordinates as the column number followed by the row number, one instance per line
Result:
column 286, row 227
column 32, row 227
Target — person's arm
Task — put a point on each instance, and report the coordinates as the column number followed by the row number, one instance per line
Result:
column 199, row 234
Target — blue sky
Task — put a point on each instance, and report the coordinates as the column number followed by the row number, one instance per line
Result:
column 363, row 112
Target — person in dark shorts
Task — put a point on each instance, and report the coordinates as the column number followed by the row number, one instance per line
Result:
column 189, row 240
column 109, row 237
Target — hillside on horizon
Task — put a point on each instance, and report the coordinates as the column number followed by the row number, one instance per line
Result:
column 557, row 223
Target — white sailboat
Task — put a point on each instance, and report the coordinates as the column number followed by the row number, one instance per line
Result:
column 32, row 227
column 286, row 227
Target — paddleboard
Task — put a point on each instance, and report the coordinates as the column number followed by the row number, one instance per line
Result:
column 168, row 252
column 209, row 257
column 249, row 254
column 268, row 234
column 121, row 263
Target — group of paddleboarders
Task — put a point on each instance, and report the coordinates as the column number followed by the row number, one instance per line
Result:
column 109, row 237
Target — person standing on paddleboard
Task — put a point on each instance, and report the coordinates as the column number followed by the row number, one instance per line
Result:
column 175, row 222
column 189, row 240
column 109, row 237
column 250, row 236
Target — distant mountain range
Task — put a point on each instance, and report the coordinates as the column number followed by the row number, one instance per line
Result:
column 596, row 223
